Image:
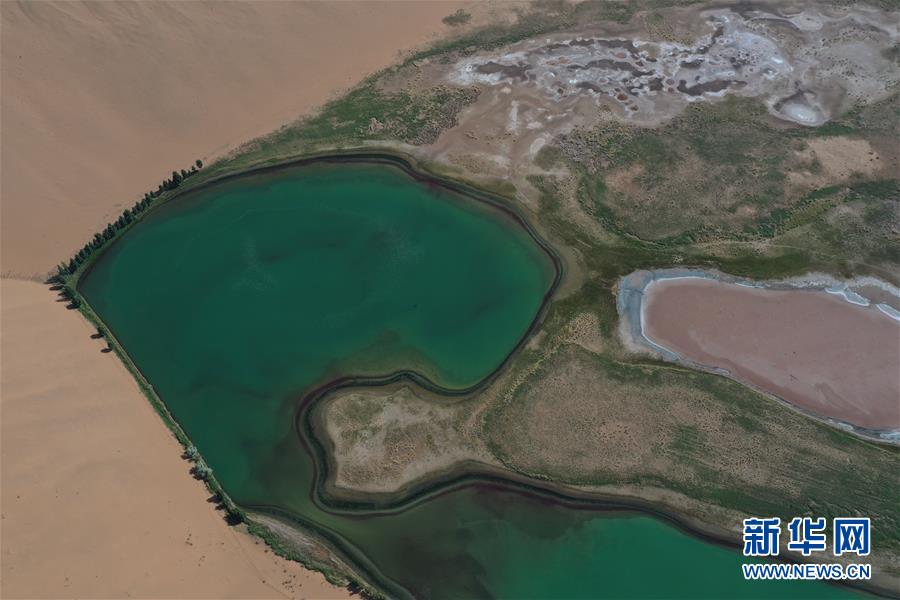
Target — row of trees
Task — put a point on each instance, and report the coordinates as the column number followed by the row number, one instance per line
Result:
column 200, row 470
column 127, row 216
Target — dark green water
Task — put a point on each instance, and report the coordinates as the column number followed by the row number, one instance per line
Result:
column 236, row 300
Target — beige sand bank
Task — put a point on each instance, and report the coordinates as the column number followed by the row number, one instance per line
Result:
column 96, row 501
column 101, row 100
column 813, row 349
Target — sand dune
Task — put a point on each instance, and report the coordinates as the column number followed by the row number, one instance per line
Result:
column 101, row 100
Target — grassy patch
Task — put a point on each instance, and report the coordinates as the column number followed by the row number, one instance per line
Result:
column 366, row 113
column 879, row 118
column 588, row 419
column 717, row 164
column 460, row 17
column 718, row 173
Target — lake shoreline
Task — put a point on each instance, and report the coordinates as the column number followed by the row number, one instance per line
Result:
column 410, row 168
column 360, row 574
column 479, row 475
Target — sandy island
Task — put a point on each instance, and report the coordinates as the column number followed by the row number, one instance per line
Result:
column 99, row 102
column 816, row 350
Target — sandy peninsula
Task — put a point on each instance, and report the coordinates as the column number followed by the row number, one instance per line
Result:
column 99, row 101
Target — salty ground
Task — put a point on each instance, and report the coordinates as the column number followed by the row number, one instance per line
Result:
column 99, row 102
column 814, row 349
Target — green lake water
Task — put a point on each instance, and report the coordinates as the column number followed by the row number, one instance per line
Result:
column 236, row 300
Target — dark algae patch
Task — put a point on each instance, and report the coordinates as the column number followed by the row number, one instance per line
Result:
column 241, row 299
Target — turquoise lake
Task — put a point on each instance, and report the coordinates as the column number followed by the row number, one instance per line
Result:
column 238, row 299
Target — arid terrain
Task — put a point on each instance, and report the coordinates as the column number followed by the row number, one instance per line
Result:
column 99, row 101
column 755, row 140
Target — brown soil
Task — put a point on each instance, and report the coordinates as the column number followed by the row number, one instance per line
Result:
column 835, row 159
column 382, row 440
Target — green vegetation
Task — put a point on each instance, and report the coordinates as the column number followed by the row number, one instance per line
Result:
column 200, row 470
column 711, row 188
column 460, row 17
column 716, row 173
column 878, row 119
column 710, row 438
column 856, row 225
column 366, row 113
column 701, row 176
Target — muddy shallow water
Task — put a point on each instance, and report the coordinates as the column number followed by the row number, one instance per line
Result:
column 827, row 351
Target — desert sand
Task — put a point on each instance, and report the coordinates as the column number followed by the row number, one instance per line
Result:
column 96, row 500
column 813, row 349
column 99, row 101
